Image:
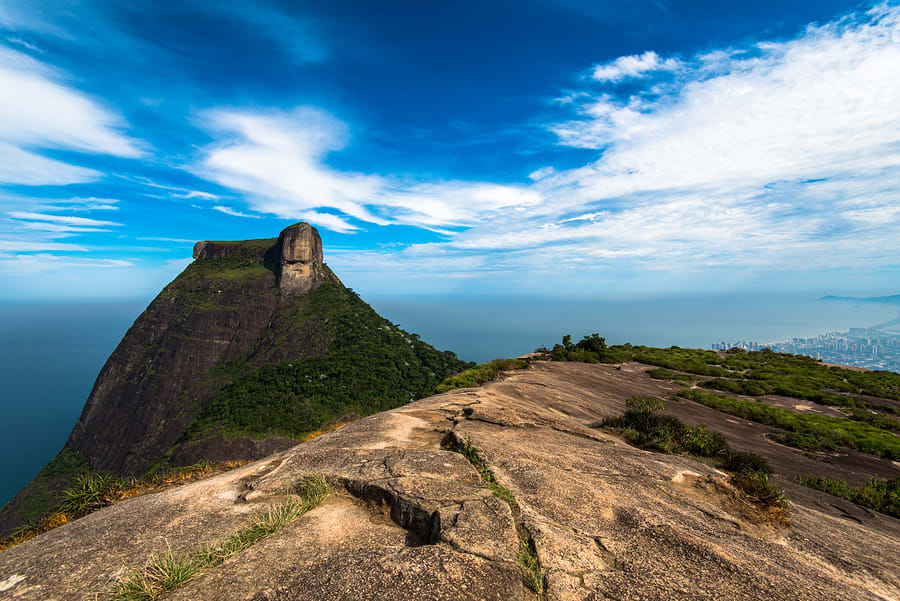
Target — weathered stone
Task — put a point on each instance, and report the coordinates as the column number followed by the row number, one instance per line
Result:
column 411, row 519
column 299, row 252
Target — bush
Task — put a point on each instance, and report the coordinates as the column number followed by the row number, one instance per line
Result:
column 743, row 462
column 806, row 430
column 648, row 404
column 662, row 373
column 759, row 489
column 705, row 443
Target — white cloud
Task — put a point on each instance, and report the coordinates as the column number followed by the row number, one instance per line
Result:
column 44, row 113
column 636, row 65
column 27, row 246
column 232, row 212
column 196, row 194
column 779, row 156
column 23, row 43
column 162, row 239
column 18, row 166
column 64, row 219
column 277, row 160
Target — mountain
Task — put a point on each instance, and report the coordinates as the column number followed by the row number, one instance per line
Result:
column 518, row 489
column 253, row 345
column 888, row 300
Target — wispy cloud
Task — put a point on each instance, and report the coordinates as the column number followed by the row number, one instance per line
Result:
column 635, row 65
column 277, row 159
column 64, row 219
column 24, row 43
column 27, row 246
column 45, row 113
column 232, row 212
column 776, row 156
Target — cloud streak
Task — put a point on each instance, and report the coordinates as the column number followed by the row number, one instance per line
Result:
column 278, row 160
column 46, row 114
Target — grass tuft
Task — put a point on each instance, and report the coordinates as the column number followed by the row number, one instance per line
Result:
column 531, row 567
column 165, row 572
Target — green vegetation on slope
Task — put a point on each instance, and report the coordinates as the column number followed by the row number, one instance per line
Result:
column 369, row 365
column 821, row 430
column 752, row 373
column 879, row 495
column 43, row 493
column 484, row 372
column 644, row 425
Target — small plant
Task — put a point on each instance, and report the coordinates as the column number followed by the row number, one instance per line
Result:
column 90, row 492
column 163, row 572
column 759, row 489
column 312, row 490
column 531, row 567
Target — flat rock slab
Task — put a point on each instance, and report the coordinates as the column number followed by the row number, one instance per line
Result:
column 410, row 519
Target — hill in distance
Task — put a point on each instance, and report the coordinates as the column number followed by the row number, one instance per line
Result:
column 893, row 299
column 255, row 344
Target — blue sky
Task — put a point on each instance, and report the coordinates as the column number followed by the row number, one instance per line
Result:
column 559, row 148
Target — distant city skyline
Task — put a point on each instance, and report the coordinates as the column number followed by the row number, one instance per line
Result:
column 869, row 347
column 559, row 148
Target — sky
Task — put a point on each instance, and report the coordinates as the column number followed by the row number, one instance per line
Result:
column 560, row 148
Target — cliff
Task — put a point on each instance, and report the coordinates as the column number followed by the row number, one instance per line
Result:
column 256, row 343
column 490, row 494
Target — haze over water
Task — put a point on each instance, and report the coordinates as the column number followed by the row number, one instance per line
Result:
column 50, row 354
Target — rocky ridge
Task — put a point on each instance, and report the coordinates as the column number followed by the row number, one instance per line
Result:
column 411, row 518
column 241, row 308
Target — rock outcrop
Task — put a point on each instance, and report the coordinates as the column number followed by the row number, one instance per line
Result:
column 411, row 519
column 241, row 307
column 299, row 252
column 296, row 254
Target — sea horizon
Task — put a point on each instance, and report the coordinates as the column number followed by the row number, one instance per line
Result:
column 53, row 351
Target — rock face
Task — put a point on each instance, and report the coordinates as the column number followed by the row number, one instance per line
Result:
column 299, row 251
column 297, row 255
column 153, row 384
column 410, row 518
column 240, row 307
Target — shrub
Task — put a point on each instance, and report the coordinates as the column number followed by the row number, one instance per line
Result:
column 647, row 404
column 743, row 462
column 759, row 489
column 705, row 443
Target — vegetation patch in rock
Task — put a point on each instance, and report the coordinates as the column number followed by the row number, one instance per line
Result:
column 485, row 372
column 808, row 431
column 165, row 572
column 532, row 573
column 879, row 495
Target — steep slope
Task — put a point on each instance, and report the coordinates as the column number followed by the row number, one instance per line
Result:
column 256, row 343
column 410, row 517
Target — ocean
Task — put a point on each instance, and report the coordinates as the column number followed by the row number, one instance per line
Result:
column 50, row 353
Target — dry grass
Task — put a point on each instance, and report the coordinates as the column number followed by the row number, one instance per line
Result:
column 90, row 492
column 165, row 572
column 325, row 430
